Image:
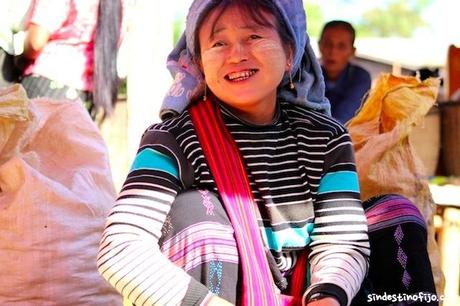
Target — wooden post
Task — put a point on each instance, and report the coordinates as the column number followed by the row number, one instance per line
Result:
column 450, row 249
column 142, row 60
column 151, row 40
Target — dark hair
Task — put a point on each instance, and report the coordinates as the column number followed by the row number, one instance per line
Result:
column 105, row 77
column 253, row 9
column 340, row 24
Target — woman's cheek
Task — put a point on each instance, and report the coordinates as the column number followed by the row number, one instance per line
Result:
column 271, row 50
column 212, row 62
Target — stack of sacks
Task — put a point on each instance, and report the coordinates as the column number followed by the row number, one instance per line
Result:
column 56, row 191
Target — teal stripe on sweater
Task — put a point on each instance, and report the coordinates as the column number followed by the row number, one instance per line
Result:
column 288, row 238
column 339, row 181
column 149, row 159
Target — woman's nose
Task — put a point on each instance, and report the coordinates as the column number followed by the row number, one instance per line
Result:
column 238, row 53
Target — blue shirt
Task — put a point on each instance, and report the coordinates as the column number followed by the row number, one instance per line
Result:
column 347, row 92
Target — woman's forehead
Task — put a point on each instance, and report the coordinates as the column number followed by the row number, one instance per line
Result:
column 236, row 17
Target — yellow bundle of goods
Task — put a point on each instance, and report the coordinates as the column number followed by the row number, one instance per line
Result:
column 14, row 113
column 385, row 159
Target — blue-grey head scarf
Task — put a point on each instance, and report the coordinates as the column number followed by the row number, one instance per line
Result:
column 189, row 81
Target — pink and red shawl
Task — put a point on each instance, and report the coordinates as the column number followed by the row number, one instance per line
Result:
column 228, row 170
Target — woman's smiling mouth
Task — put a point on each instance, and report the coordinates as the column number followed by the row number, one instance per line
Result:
column 240, row 75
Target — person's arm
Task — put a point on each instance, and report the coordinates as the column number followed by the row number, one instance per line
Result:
column 340, row 246
column 46, row 17
column 36, row 39
column 129, row 257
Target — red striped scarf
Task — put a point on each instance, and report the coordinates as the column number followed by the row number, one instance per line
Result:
column 228, row 170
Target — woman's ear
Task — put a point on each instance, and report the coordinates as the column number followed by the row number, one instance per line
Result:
column 199, row 63
column 289, row 57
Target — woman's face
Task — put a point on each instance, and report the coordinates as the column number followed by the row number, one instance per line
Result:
column 243, row 63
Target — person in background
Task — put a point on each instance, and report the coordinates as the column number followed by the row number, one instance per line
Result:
column 12, row 14
column 71, row 46
column 346, row 83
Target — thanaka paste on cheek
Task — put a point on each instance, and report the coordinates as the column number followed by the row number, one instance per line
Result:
column 211, row 60
column 271, row 49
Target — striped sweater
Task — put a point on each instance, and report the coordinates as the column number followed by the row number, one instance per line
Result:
column 302, row 173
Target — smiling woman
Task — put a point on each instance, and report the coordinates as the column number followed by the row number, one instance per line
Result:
column 246, row 180
column 296, row 163
column 243, row 62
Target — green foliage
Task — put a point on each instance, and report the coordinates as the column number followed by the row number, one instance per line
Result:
column 315, row 18
column 178, row 28
column 397, row 18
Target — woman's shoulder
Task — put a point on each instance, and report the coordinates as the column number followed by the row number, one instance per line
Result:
column 169, row 128
column 359, row 72
column 312, row 119
column 172, row 124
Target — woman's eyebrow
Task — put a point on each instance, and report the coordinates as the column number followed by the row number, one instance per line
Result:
column 216, row 31
column 244, row 27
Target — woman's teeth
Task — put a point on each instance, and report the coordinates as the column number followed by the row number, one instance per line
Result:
column 241, row 75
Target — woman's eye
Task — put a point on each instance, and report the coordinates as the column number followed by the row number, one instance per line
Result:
column 254, row 36
column 218, row 44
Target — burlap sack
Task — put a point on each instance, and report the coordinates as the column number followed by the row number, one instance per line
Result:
column 386, row 161
column 56, row 191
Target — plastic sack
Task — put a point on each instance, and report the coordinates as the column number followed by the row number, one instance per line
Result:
column 385, row 159
column 56, row 191
column 380, row 131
